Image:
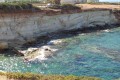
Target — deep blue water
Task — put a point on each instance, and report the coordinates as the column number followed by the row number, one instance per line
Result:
column 92, row 54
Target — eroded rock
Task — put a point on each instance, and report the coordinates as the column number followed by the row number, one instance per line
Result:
column 39, row 54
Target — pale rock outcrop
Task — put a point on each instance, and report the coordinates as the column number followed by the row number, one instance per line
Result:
column 39, row 54
column 55, row 42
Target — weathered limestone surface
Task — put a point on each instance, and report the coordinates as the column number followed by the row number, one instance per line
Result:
column 20, row 28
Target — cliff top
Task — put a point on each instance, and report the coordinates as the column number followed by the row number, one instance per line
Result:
column 26, row 8
column 100, row 6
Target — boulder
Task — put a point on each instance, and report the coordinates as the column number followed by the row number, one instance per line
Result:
column 39, row 54
column 6, row 49
column 3, row 45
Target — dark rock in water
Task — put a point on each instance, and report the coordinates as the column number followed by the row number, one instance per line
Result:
column 8, row 50
column 11, row 52
column 3, row 45
column 15, row 51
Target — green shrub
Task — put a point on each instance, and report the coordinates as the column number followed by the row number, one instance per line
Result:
column 65, row 7
column 55, row 6
column 16, row 6
column 54, row 1
column 69, row 7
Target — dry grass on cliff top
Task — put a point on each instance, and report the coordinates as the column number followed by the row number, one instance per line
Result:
column 30, row 76
column 101, row 6
column 91, row 5
column 28, row 8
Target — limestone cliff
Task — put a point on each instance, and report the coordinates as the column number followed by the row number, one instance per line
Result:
column 21, row 28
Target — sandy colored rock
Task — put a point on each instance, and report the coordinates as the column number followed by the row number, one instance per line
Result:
column 3, row 45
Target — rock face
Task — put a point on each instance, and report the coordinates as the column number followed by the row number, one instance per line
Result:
column 20, row 28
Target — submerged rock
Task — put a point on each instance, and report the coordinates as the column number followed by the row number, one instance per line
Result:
column 111, row 53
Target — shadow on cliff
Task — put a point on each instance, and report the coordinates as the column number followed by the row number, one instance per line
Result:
column 43, row 40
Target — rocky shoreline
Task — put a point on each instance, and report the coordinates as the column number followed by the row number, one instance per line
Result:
column 48, row 49
column 38, row 35
column 47, row 44
column 40, row 29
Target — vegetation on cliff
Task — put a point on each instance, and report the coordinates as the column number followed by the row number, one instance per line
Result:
column 69, row 7
column 31, row 76
column 19, row 6
column 54, row 1
column 65, row 7
column 11, row 7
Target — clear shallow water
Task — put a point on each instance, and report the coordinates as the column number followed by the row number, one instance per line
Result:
column 93, row 54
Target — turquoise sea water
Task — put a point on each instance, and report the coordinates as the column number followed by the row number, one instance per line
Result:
column 92, row 54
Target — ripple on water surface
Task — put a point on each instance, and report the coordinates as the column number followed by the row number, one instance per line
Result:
column 93, row 54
